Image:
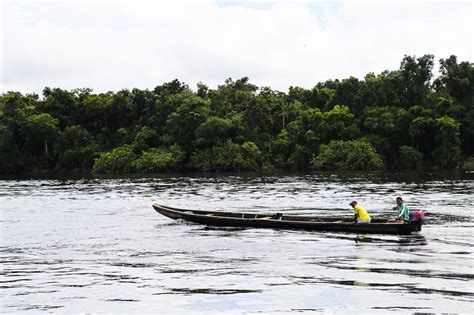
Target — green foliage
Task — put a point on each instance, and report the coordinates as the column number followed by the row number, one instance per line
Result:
column 80, row 159
column 60, row 104
column 41, row 126
column 347, row 155
column 171, row 88
column 39, row 131
column 79, row 149
column 346, row 93
column 448, row 151
column 304, row 137
column 446, row 105
column 468, row 164
column 190, row 114
column 379, row 120
column 281, row 150
column 76, row 136
column 457, row 82
column 146, row 138
column 6, row 137
column 422, row 128
column 119, row 160
column 294, row 145
column 213, row 131
column 415, row 74
column 121, row 110
column 159, row 160
column 410, row 158
column 456, row 79
column 227, row 156
column 10, row 102
column 9, row 161
column 402, row 118
column 252, row 157
column 232, row 96
column 338, row 124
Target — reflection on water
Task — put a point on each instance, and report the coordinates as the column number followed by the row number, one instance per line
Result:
column 96, row 245
column 415, row 239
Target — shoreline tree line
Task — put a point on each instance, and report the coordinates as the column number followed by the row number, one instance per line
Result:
column 400, row 119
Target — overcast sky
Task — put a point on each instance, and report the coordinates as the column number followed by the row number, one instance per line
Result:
column 111, row 45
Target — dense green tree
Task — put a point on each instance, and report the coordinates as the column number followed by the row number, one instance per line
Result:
column 121, row 110
column 338, row 124
column 213, row 131
column 232, row 97
column 181, row 125
column 379, row 120
column 448, row 150
column 202, row 90
column 304, row 137
column 11, row 102
column 447, row 105
column 416, row 74
column 410, row 158
column 146, row 138
column 79, row 159
column 281, row 147
column 347, row 155
column 227, row 156
column 258, row 114
column 79, row 149
column 421, row 130
column 386, row 128
column 252, row 157
column 408, row 119
column 346, row 93
column 9, row 155
column 159, row 160
column 119, row 160
column 40, row 130
column 457, row 81
column 93, row 112
column 60, row 104
column 171, row 88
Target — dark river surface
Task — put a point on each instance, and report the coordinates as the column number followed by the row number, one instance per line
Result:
column 95, row 245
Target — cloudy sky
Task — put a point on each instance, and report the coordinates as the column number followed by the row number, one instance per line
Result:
column 108, row 45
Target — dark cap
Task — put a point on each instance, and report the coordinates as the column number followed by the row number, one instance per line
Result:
column 353, row 202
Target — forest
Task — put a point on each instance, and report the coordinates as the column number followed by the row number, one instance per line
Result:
column 407, row 118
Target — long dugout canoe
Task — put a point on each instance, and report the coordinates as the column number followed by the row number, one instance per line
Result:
column 293, row 222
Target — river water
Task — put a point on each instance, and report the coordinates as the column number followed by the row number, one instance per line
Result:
column 95, row 245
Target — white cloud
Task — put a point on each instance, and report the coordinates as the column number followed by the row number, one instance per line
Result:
column 109, row 45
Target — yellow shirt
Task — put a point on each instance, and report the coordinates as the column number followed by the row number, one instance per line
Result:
column 361, row 213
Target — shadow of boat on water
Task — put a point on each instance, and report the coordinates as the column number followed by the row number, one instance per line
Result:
column 405, row 240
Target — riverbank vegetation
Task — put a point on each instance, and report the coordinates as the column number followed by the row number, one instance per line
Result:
column 401, row 119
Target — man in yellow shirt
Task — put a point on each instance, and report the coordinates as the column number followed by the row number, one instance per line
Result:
column 360, row 214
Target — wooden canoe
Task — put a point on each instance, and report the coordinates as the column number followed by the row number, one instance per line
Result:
column 283, row 221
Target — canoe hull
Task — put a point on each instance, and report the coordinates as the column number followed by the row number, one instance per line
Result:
column 232, row 219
